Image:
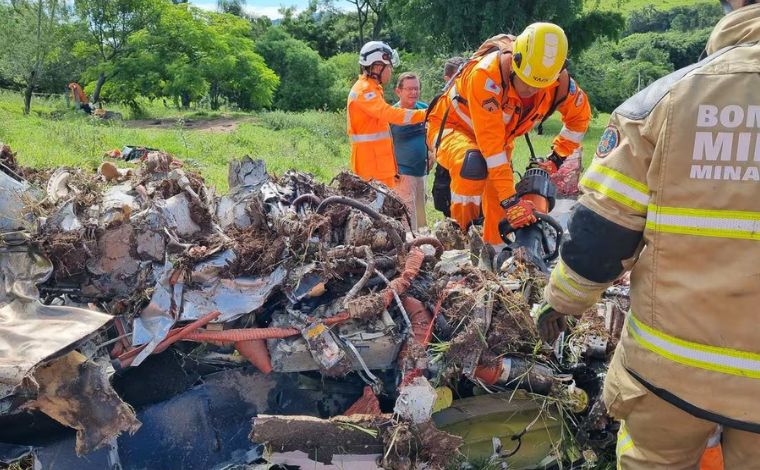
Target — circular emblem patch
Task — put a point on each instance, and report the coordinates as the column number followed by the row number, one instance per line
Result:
column 610, row 139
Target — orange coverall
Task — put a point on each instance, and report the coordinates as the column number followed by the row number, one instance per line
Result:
column 368, row 119
column 487, row 115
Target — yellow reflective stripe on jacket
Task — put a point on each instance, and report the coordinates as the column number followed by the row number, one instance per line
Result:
column 370, row 137
column 563, row 282
column 704, row 222
column 702, row 356
column 617, row 186
column 624, row 442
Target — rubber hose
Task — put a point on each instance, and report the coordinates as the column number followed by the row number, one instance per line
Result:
column 432, row 241
column 312, row 198
column 374, row 215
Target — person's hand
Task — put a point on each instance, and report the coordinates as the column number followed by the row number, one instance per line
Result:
column 520, row 213
column 550, row 323
column 430, row 159
column 550, row 164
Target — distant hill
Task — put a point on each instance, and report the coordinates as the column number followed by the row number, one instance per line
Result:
column 627, row 6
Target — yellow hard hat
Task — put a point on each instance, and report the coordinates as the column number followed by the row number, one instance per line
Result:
column 539, row 54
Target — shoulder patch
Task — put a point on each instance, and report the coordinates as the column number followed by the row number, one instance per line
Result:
column 492, row 86
column 572, row 88
column 490, row 105
column 368, row 96
column 608, row 142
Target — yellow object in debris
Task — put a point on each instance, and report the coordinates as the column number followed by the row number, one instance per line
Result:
column 315, row 330
column 444, row 397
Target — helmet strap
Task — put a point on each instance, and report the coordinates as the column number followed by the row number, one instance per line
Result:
column 377, row 76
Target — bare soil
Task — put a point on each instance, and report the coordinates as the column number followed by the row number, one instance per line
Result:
column 214, row 125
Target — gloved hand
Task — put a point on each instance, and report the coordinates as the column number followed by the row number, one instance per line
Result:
column 519, row 212
column 550, row 164
column 550, row 323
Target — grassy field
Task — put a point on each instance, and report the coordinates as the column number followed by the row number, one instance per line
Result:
column 627, row 6
column 312, row 141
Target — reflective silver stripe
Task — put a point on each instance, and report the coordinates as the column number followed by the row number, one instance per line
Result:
column 461, row 199
column 408, row 116
column 573, row 136
column 492, row 161
column 609, row 179
column 507, row 118
column 696, row 220
column 455, row 104
column 370, row 137
column 487, row 60
column 353, row 95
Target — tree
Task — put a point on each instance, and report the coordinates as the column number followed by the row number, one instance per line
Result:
column 28, row 30
column 110, row 23
column 233, row 7
column 187, row 54
column 444, row 26
column 305, row 79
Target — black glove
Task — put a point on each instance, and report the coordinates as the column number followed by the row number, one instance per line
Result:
column 549, row 164
column 550, row 323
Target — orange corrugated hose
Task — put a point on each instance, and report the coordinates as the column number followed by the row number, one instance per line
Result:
column 255, row 350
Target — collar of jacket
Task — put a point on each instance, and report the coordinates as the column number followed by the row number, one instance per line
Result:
column 738, row 27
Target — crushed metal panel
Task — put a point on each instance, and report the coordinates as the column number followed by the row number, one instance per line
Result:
column 479, row 419
column 232, row 297
column 176, row 212
column 377, row 345
column 115, row 270
column 29, row 331
column 64, row 220
column 76, row 392
column 301, row 459
column 197, row 430
column 13, row 193
column 247, row 172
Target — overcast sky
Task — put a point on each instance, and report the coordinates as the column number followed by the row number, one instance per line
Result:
column 264, row 7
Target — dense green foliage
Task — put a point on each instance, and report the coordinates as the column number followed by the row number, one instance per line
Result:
column 655, row 43
column 127, row 51
column 306, row 79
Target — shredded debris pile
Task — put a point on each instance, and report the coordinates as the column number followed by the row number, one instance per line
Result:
column 319, row 287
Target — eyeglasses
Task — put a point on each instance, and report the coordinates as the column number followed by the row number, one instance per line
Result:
column 411, row 88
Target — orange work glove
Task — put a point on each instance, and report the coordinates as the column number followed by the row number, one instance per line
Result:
column 519, row 212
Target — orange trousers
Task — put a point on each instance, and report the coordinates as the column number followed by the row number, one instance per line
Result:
column 712, row 459
column 467, row 196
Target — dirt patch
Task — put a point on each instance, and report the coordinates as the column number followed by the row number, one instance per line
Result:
column 213, row 125
column 257, row 252
column 69, row 252
column 8, row 158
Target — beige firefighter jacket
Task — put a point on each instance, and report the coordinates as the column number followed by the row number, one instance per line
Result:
column 674, row 194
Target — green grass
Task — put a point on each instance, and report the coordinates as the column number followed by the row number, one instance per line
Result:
column 627, row 6
column 312, row 141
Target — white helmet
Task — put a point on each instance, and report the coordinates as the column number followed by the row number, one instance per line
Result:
column 377, row 51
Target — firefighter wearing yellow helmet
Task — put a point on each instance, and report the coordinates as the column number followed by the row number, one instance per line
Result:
column 508, row 87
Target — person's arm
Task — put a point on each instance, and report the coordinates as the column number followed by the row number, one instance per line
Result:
column 606, row 228
column 484, row 103
column 373, row 104
column 576, row 116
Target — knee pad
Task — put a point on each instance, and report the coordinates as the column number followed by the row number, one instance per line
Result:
column 442, row 190
column 474, row 166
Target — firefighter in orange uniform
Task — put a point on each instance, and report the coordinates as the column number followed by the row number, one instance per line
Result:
column 499, row 95
column 369, row 116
